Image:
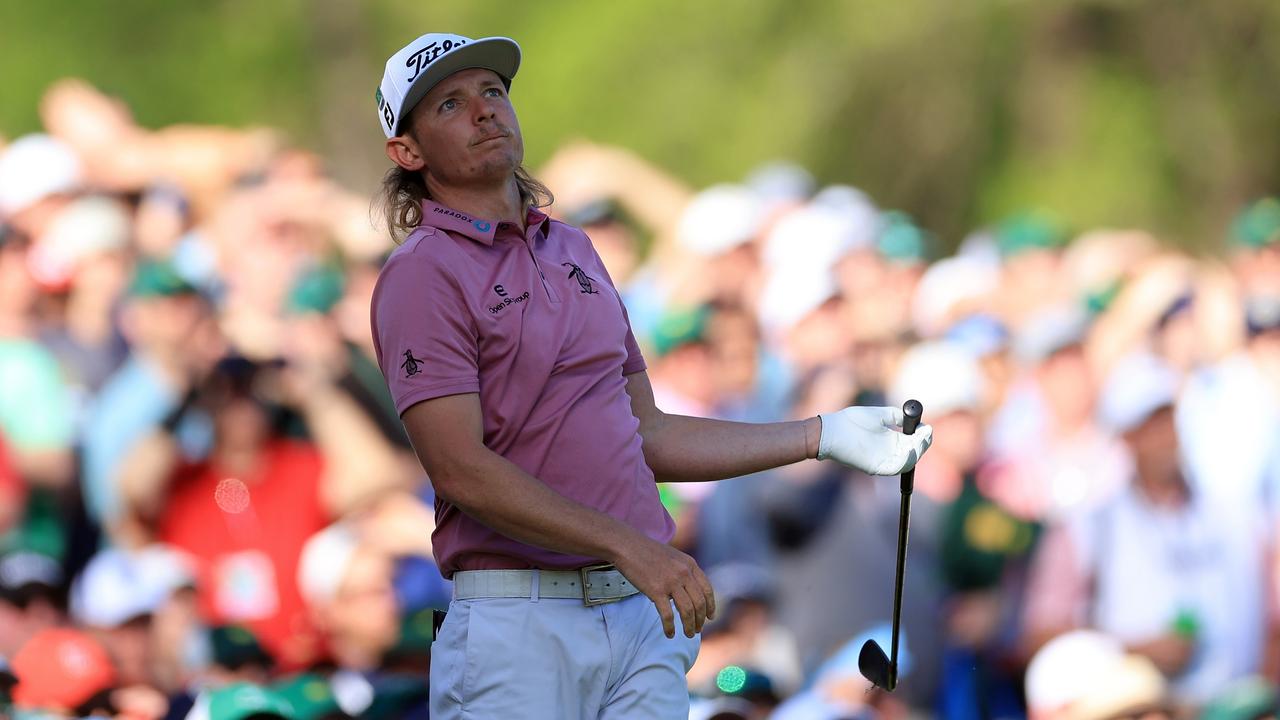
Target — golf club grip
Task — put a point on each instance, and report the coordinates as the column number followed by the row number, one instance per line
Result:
column 912, row 411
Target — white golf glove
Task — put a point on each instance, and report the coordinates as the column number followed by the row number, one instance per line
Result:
column 866, row 438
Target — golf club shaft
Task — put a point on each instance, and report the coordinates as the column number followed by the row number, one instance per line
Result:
column 904, row 520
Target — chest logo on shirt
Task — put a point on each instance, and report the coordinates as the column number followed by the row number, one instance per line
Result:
column 584, row 280
column 506, row 301
column 410, row 364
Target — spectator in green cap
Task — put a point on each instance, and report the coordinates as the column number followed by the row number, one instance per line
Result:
column 173, row 340
column 683, row 375
column 1253, row 698
column 1258, row 225
column 230, row 655
column 1028, row 232
column 1030, row 246
column 241, row 701
column 318, row 311
column 904, row 248
column 158, row 278
column 32, row 581
column 238, row 656
column 1255, row 238
column 901, row 240
column 311, row 697
column 682, row 370
column 316, row 290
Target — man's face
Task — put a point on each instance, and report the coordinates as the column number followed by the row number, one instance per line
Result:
column 365, row 610
column 1154, row 446
column 466, row 130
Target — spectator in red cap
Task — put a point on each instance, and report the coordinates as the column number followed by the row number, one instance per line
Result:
column 63, row 670
column 245, row 510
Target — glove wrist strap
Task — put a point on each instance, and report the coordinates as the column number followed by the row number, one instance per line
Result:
column 824, row 445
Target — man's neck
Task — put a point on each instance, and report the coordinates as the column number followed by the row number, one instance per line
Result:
column 502, row 203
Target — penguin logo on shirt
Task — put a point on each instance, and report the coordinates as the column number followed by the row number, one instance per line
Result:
column 584, row 280
column 410, row 364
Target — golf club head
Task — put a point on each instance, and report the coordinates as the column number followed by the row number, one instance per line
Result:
column 876, row 666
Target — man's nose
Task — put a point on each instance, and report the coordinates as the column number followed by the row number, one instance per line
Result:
column 485, row 112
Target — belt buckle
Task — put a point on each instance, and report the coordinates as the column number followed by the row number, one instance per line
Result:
column 586, row 594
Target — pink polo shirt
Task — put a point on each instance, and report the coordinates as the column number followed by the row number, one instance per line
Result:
column 533, row 324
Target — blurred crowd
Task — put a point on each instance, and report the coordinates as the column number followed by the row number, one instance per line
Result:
column 208, row 508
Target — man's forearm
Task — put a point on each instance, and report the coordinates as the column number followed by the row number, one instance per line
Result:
column 500, row 495
column 360, row 463
column 679, row 448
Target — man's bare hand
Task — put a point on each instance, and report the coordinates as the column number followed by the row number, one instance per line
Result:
column 666, row 575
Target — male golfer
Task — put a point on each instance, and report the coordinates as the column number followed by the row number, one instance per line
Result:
column 514, row 369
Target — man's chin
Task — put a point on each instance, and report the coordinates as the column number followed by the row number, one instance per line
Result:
column 497, row 160
column 499, row 168
column 485, row 169
column 489, row 171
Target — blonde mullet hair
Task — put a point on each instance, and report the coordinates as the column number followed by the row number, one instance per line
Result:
column 399, row 200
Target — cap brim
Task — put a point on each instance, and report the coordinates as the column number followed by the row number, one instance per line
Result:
column 499, row 54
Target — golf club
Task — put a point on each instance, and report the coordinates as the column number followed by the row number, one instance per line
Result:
column 881, row 669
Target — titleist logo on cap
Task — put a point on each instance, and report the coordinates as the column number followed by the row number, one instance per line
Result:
column 428, row 54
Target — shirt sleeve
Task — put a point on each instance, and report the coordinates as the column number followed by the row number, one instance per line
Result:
column 635, row 361
column 426, row 339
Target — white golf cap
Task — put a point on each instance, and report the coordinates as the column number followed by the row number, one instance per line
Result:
column 950, row 288
column 1085, row 675
column 87, row 227
column 789, row 297
column 817, row 236
column 1049, row 331
column 411, row 73
column 324, row 562
column 1138, row 386
column 941, row 374
column 719, row 219
column 35, row 167
column 117, row 586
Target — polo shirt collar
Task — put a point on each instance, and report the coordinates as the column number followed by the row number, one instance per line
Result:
column 438, row 216
column 482, row 231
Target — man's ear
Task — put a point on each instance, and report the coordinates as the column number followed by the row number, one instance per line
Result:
column 404, row 151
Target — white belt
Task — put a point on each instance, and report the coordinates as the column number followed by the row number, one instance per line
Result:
column 593, row 585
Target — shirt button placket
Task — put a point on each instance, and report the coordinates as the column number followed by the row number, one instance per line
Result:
column 551, row 293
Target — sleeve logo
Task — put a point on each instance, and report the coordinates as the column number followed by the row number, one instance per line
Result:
column 411, row 364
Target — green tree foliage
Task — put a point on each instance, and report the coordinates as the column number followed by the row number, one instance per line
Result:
column 1163, row 114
